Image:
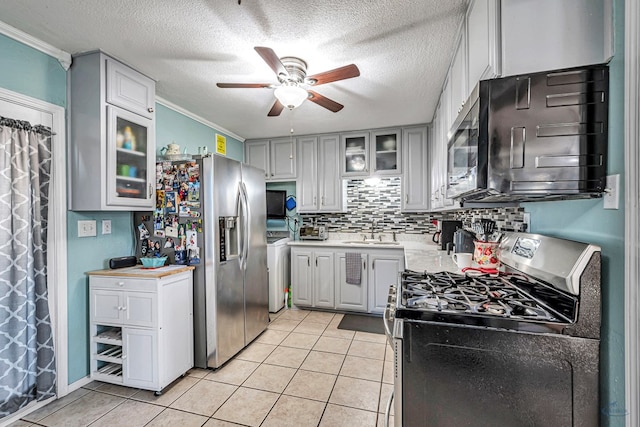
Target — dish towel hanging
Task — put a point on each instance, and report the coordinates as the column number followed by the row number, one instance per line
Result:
column 353, row 267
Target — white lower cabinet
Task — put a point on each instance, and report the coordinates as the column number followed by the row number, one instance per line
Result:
column 350, row 296
column 323, row 282
column 141, row 326
column 311, row 283
column 318, row 277
column 383, row 272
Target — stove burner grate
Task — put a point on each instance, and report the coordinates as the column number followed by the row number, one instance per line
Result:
column 484, row 294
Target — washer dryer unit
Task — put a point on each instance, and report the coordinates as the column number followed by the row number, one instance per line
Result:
column 278, row 255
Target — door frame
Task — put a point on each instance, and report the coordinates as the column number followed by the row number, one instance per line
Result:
column 57, row 233
column 632, row 210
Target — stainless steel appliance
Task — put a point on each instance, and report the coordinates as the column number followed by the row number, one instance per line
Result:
column 446, row 230
column 463, row 241
column 532, row 137
column 316, row 232
column 221, row 206
column 521, row 348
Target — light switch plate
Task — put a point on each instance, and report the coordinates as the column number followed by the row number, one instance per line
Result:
column 106, row 226
column 612, row 192
column 87, row 228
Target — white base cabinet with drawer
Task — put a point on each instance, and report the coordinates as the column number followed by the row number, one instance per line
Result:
column 141, row 326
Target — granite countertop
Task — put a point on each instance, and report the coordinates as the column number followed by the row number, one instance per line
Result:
column 420, row 253
column 139, row 271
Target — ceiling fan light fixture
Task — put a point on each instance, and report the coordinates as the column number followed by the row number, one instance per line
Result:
column 291, row 96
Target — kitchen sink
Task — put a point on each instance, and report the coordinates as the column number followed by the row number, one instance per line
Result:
column 369, row 242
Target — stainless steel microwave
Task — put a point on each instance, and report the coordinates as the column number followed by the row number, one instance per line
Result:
column 539, row 136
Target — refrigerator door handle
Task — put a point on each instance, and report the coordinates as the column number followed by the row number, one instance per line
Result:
column 244, row 249
column 241, row 230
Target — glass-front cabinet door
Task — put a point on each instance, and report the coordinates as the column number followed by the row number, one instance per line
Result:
column 355, row 154
column 130, row 162
column 385, row 155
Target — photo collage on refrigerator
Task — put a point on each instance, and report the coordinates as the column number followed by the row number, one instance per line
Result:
column 176, row 219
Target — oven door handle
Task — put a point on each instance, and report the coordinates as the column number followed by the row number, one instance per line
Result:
column 387, row 330
column 387, row 413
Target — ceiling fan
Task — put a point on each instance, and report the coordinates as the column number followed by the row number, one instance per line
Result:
column 292, row 75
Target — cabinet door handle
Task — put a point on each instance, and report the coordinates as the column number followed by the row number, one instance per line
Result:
column 308, row 263
column 150, row 109
column 364, row 265
column 316, row 262
column 406, row 198
column 373, row 264
column 150, row 190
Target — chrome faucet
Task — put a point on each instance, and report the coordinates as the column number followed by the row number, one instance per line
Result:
column 373, row 227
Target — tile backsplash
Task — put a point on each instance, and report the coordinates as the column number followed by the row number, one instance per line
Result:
column 377, row 206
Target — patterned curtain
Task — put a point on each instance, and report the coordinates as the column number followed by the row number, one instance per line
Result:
column 27, row 362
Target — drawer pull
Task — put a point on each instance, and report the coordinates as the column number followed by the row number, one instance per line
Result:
column 120, row 283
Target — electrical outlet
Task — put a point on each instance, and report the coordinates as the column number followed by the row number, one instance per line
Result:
column 611, row 192
column 87, row 228
column 106, row 226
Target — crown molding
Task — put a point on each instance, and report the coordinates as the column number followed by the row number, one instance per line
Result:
column 64, row 58
column 197, row 118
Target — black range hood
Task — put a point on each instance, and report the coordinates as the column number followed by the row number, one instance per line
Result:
column 533, row 137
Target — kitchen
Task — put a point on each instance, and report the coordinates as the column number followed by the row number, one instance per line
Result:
column 580, row 220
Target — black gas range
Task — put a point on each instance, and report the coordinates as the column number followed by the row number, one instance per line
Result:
column 517, row 348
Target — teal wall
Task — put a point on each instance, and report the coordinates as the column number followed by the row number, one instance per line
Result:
column 35, row 74
column 587, row 221
column 172, row 126
column 31, row 72
column 278, row 224
column 87, row 254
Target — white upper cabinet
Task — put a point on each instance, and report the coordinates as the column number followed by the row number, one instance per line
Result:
column 126, row 89
column 371, row 153
column 307, row 182
column 329, row 181
column 415, row 177
column 483, row 41
column 385, row 152
column 319, row 186
column 256, row 153
column 276, row 157
column 354, row 149
column 458, row 77
column 283, row 159
column 111, row 136
column 541, row 35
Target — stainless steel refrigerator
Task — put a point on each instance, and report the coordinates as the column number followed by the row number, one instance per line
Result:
column 222, row 205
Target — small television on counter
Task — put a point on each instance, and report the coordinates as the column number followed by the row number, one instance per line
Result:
column 276, row 204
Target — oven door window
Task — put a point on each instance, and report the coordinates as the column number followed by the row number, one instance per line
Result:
column 462, row 157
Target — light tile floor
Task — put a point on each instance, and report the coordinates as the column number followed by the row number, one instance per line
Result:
column 302, row 371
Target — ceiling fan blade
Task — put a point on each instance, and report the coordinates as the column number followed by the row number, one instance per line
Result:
column 325, row 102
column 276, row 109
column 272, row 60
column 342, row 73
column 245, row 85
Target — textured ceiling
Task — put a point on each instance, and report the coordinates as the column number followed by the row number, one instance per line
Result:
column 401, row 47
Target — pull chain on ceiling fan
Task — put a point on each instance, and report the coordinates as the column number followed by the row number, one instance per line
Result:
column 292, row 76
